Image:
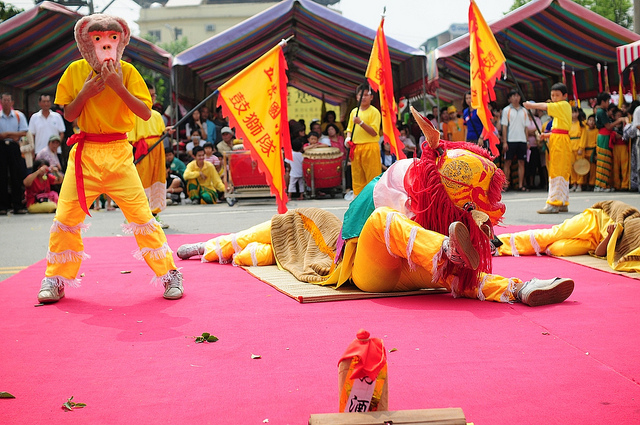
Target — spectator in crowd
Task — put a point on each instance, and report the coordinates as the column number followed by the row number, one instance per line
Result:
column 386, row 156
column 204, row 185
column 196, row 140
column 45, row 123
column 220, row 121
column 315, row 127
column 39, row 196
column 533, row 166
column 50, row 153
column 604, row 154
column 175, row 186
column 514, row 137
column 454, row 129
column 208, row 126
column 577, row 136
column 330, row 119
column 196, row 123
column 333, row 134
column 444, row 118
column 13, row 126
column 591, row 140
column 209, row 155
column 621, row 166
column 472, row 122
column 313, row 142
column 408, row 141
column 177, row 167
column 296, row 186
column 226, row 145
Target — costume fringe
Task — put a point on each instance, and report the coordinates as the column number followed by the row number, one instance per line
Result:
column 481, row 296
column 64, row 281
column 254, row 254
column 141, row 229
column 387, row 233
column 78, row 228
column 218, row 250
column 437, row 273
column 412, row 238
column 154, row 253
column 165, row 278
column 534, row 243
column 455, row 286
column 234, row 243
column 68, row 256
column 514, row 250
column 509, row 296
column 558, row 191
column 435, row 211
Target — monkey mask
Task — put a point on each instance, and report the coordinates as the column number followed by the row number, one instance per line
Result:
column 101, row 38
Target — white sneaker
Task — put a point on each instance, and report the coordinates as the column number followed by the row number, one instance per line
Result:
column 173, row 289
column 51, row 290
column 578, row 188
column 189, row 250
column 542, row 292
column 572, row 188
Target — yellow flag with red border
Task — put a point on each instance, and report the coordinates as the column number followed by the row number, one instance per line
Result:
column 381, row 80
column 487, row 63
column 255, row 100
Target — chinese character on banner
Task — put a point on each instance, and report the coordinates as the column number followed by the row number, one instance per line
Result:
column 260, row 119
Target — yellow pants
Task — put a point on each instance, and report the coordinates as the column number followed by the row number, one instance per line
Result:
column 559, row 169
column 377, row 265
column 575, row 177
column 108, row 168
column 575, row 236
column 366, row 165
column 621, row 167
column 153, row 175
column 590, row 178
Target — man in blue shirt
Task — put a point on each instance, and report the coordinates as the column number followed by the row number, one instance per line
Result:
column 13, row 126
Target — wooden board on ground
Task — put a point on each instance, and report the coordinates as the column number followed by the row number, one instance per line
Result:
column 304, row 292
column 450, row 416
column 598, row 264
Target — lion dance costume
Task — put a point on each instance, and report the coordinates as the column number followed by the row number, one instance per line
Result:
column 394, row 235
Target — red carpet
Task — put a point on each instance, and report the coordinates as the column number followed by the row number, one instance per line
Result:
column 117, row 346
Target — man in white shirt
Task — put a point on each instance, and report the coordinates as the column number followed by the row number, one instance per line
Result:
column 514, row 136
column 44, row 124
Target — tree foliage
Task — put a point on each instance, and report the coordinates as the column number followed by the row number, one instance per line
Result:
column 618, row 11
column 7, row 11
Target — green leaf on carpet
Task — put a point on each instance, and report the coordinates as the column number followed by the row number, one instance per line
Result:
column 4, row 394
column 393, row 349
column 206, row 337
column 256, row 356
column 70, row 405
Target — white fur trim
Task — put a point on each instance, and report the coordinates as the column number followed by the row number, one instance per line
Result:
column 64, row 281
column 558, row 191
column 512, row 242
column 412, row 238
column 455, row 282
column 218, row 250
column 509, row 294
column 481, row 296
column 162, row 279
column 157, row 196
column 154, row 253
column 68, row 256
column 387, row 233
column 436, row 273
column 141, row 229
column 534, row 243
column 59, row 227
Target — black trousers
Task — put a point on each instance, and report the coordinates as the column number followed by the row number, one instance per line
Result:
column 13, row 170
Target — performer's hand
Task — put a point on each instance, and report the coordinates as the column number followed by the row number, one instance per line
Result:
column 92, row 85
column 357, row 120
column 112, row 74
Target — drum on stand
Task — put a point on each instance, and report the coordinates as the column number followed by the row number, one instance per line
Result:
column 323, row 168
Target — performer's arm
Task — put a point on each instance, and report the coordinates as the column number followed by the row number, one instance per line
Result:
column 112, row 75
column 90, row 88
column 366, row 127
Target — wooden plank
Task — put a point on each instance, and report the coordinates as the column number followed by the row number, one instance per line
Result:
column 450, row 416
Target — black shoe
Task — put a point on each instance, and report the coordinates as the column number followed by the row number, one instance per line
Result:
column 20, row 211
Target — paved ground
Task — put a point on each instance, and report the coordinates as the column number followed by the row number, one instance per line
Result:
column 23, row 239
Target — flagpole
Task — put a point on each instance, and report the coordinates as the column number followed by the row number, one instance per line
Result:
column 506, row 64
column 176, row 125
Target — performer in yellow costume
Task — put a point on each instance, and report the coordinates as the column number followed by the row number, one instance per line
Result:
column 421, row 224
column 559, row 157
column 105, row 102
column 363, row 139
column 591, row 140
column 578, row 137
column 609, row 229
column 152, row 168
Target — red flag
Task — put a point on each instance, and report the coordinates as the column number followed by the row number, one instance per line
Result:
column 487, row 63
column 632, row 82
column 380, row 78
column 606, row 79
column 255, row 100
column 575, row 88
column 599, row 78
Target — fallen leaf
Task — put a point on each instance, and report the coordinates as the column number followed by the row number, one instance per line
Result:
column 545, row 333
column 4, row 394
column 70, row 404
column 81, row 274
column 125, row 271
column 255, row 356
column 38, row 305
column 393, row 349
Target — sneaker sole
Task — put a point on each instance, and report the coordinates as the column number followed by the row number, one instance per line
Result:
column 50, row 300
column 555, row 293
column 461, row 237
column 172, row 297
